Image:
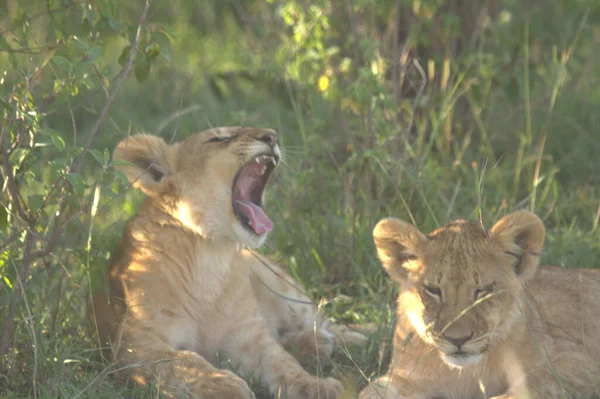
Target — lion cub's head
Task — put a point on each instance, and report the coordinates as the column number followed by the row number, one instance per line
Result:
column 460, row 285
column 212, row 182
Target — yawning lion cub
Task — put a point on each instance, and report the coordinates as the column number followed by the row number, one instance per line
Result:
column 477, row 319
column 182, row 289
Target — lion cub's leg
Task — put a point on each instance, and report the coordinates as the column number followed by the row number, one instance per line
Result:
column 253, row 350
column 291, row 316
column 179, row 373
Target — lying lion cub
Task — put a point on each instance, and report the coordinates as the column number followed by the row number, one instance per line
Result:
column 182, row 290
column 477, row 319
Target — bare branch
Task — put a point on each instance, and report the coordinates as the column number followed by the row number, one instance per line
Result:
column 357, row 57
column 418, row 96
column 12, row 187
column 32, row 50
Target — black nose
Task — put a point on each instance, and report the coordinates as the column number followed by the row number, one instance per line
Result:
column 458, row 341
column 270, row 138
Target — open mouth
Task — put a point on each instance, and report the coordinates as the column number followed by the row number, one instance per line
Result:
column 247, row 192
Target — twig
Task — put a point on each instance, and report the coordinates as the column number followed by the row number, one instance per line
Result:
column 118, row 85
column 12, row 187
column 176, row 115
column 31, row 50
column 418, row 96
column 357, row 58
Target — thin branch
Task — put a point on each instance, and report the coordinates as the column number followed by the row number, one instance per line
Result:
column 12, row 187
column 31, row 50
column 40, row 14
column 418, row 96
column 357, row 58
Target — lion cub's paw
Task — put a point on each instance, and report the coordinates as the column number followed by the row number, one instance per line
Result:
column 309, row 346
column 315, row 388
column 323, row 341
column 224, row 385
column 381, row 388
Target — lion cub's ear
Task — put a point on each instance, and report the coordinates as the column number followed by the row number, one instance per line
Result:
column 520, row 234
column 397, row 243
column 147, row 155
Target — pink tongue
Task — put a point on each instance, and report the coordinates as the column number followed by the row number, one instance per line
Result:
column 259, row 221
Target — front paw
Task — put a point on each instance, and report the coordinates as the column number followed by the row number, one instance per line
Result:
column 315, row 388
column 309, row 346
column 224, row 384
column 381, row 388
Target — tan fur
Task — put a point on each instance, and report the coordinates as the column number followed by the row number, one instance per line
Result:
column 531, row 333
column 183, row 293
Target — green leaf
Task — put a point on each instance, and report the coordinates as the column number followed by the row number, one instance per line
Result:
column 164, row 42
column 58, row 142
column 116, row 25
column 82, row 70
column 18, row 156
column 141, row 67
column 97, row 156
column 124, row 57
column 106, row 156
column 7, row 282
column 3, row 217
column 34, row 202
column 121, row 176
column 81, row 42
column 62, row 62
column 13, row 60
column 121, row 162
column 152, row 50
column 76, row 182
column 3, row 43
column 94, row 53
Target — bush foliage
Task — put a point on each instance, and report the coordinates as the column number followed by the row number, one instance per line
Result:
column 427, row 110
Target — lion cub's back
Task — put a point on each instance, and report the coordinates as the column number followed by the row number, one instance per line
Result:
column 568, row 300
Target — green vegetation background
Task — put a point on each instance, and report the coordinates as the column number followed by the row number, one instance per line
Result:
column 427, row 110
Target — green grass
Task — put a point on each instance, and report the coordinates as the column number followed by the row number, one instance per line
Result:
column 503, row 134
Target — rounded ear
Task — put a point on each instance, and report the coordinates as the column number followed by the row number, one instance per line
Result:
column 146, row 162
column 397, row 242
column 520, row 234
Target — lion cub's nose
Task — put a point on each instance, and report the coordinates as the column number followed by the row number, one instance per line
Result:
column 458, row 341
column 270, row 138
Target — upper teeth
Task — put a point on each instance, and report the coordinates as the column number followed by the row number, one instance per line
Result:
column 265, row 158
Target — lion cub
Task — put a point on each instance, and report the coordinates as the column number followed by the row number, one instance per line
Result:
column 183, row 293
column 477, row 318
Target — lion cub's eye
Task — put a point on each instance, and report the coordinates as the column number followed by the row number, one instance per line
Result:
column 218, row 139
column 483, row 291
column 433, row 291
